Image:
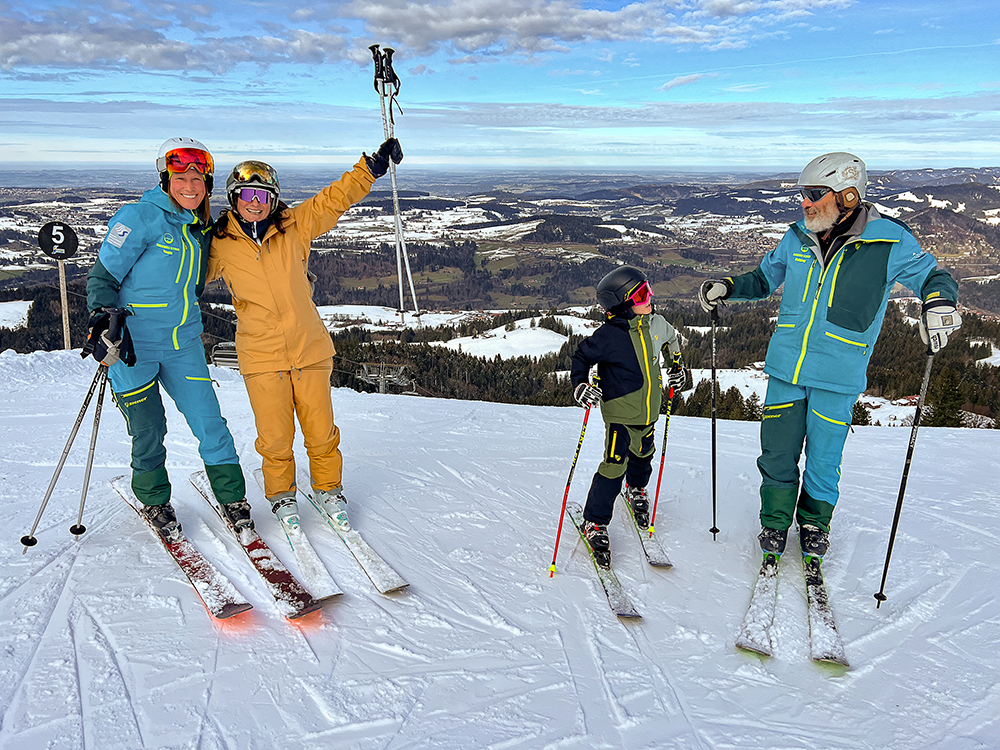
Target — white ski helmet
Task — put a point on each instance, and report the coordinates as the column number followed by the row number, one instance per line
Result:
column 841, row 172
column 181, row 154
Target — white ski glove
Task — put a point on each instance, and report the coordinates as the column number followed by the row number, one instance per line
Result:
column 712, row 292
column 587, row 395
column 938, row 320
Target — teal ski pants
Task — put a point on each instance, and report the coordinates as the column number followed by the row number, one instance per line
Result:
column 794, row 415
column 184, row 376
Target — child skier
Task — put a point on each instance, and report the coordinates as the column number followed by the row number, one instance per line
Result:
column 626, row 350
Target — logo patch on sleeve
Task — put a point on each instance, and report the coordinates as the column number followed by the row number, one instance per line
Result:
column 118, row 234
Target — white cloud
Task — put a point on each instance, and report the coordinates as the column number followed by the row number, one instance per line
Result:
column 680, row 81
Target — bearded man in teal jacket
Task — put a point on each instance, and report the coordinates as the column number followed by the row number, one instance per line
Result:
column 838, row 266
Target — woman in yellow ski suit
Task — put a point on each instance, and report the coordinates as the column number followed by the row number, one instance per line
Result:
column 261, row 250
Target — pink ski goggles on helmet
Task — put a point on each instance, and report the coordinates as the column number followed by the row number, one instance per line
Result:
column 641, row 294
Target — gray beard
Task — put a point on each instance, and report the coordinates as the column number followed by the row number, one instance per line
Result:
column 821, row 223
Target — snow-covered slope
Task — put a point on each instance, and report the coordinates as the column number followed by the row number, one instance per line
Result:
column 103, row 643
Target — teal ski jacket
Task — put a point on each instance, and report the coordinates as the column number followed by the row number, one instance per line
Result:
column 153, row 261
column 831, row 314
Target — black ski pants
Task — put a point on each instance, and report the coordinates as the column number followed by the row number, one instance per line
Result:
column 628, row 454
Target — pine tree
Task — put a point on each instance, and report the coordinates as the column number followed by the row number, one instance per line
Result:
column 946, row 401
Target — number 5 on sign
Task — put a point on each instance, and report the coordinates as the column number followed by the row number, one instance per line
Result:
column 58, row 240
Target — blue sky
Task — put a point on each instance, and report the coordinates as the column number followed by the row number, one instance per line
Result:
column 667, row 84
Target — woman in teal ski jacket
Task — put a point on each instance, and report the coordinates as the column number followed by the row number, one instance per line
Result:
column 153, row 263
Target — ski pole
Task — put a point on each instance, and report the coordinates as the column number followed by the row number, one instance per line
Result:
column 78, row 528
column 663, row 454
column 715, row 320
column 387, row 85
column 28, row 540
column 562, row 513
column 880, row 596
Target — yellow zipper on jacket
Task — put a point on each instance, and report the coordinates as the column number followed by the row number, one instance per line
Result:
column 648, row 376
column 187, row 282
column 812, row 317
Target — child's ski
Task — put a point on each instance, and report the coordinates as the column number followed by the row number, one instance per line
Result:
column 220, row 597
column 617, row 598
column 379, row 572
column 292, row 599
column 314, row 575
column 655, row 554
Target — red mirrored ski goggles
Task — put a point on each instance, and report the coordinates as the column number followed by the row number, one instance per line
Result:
column 182, row 159
column 641, row 294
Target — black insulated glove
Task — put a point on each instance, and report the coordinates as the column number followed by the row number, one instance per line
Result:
column 109, row 346
column 378, row 163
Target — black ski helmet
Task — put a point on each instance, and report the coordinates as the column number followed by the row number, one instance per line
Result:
column 615, row 288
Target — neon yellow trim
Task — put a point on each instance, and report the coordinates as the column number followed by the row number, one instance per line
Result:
column 138, row 390
column 846, row 341
column 812, row 318
column 805, row 292
column 835, row 421
column 165, row 249
column 833, row 281
column 187, row 282
column 649, row 376
column 786, row 325
column 188, row 377
column 931, row 296
column 778, row 406
column 614, row 439
column 136, row 304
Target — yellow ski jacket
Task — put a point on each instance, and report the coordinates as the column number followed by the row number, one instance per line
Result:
column 278, row 326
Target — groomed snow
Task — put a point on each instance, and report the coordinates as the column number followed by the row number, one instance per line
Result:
column 105, row 645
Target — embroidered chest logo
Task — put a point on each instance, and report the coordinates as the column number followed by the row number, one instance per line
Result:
column 168, row 239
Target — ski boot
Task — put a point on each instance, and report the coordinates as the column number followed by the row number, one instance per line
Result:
column 238, row 514
column 600, row 544
column 814, row 541
column 772, row 541
column 285, row 509
column 164, row 520
column 334, row 504
column 638, row 500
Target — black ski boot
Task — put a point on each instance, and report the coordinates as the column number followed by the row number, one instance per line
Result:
column 164, row 520
column 238, row 514
column 600, row 545
column 638, row 500
column 772, row 541
column 814, row 541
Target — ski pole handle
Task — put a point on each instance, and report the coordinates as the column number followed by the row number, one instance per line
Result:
column 377, row 59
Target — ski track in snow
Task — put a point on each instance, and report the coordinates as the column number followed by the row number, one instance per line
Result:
column 104, row 644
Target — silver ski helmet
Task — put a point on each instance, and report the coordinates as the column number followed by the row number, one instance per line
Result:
column 178, row 155
column 843, row 173
column 253, row 174
column 615, row 288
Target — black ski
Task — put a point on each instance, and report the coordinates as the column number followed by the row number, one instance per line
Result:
column 617, row 598
column 655, row 554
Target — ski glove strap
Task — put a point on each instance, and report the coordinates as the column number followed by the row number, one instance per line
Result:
column 712, row 292
column 938, row 320
column 378, row 163
column 587, row 395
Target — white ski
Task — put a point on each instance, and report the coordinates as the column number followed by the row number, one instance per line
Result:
column 617, row 598
column 655, row 554
column 379, row 572
column 755, row 631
